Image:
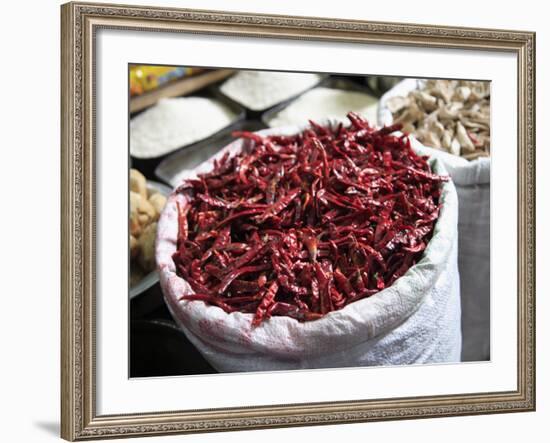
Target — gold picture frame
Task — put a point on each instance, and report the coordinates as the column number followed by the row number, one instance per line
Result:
column 79, row 420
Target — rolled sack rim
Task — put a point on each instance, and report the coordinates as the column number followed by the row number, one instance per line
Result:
column 354, row 324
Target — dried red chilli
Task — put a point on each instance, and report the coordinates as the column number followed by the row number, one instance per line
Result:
column 303, row 225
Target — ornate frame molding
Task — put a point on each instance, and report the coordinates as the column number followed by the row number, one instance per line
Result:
column 79, row 22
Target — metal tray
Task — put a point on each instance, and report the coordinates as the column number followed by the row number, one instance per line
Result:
column 333, row 82
column 192, row 156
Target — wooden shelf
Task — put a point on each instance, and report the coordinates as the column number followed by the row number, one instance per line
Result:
column 184, row 86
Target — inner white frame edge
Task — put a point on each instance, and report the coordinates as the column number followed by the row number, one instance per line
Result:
column 117, row 394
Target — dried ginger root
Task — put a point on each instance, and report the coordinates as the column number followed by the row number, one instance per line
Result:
column 450, row 115
column 145, row 209
column 138, row 183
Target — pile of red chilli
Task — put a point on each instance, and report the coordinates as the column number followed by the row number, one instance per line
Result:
column 303, row 225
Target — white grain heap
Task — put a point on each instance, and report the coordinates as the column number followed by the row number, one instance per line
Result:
column 322, row 103
column 176, row 122
column 258, row 90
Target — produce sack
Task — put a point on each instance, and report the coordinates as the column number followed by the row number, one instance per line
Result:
column 472, row 180
column 416, row 320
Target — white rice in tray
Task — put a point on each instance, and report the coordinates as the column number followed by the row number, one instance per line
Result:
column 258, row 90
column 321, row 103
column 176, row 122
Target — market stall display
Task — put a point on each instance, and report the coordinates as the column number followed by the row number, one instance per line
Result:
column 239, row 281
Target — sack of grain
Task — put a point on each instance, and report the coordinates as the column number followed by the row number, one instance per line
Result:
column 472, row 180
column 416, row 320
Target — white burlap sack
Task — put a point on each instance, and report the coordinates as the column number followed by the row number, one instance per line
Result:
column 472, row 180
column 416, row 320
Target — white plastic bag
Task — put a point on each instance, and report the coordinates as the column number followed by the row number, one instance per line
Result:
column 416, row 320
column 472, row 180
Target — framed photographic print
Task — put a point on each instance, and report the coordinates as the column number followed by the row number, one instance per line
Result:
column 280, row 221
